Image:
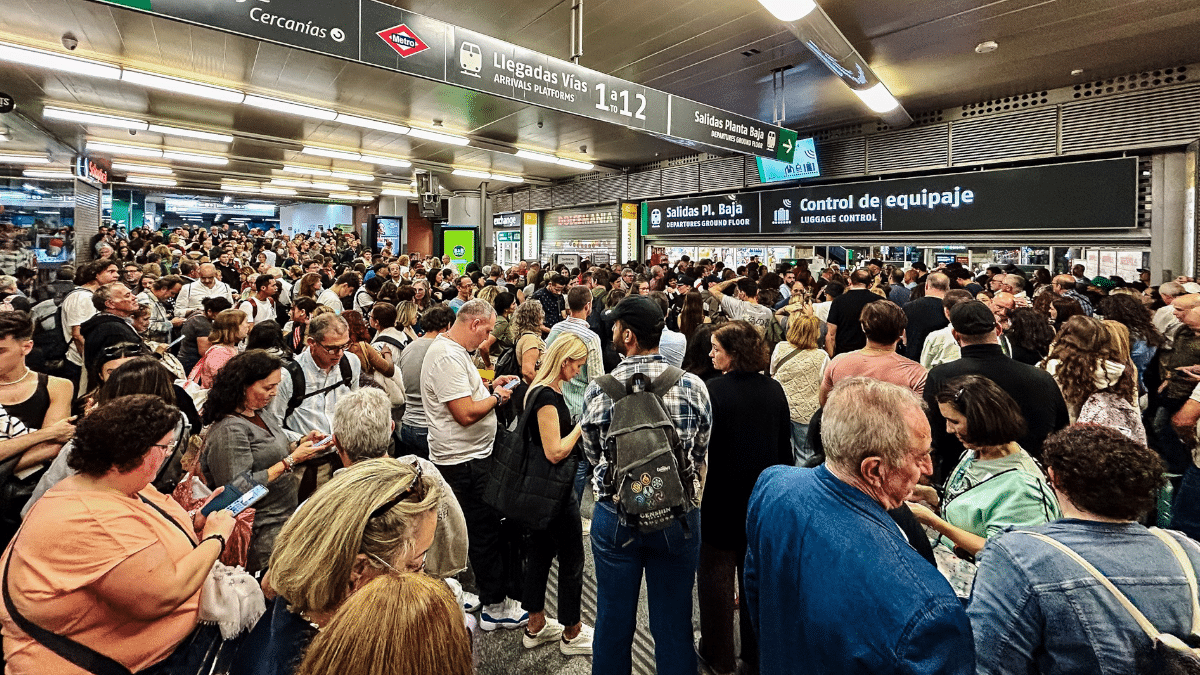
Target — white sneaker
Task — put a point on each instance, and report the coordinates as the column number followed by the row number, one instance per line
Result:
column 507, row 614
column 581, row 645
column 467, row 600
column 549, row 633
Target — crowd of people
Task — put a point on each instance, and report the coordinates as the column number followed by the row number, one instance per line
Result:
column 869, row 470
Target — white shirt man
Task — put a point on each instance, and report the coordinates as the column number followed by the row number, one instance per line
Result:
column 209, row 286
column 262, row 306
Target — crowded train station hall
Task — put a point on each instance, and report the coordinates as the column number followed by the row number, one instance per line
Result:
column 543, row 337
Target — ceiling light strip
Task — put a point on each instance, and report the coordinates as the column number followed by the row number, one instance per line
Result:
column 282, row 106
column 24, row 159
column 143, row 168
column 190, row 133
column 180, row 86
column 70, row 64
column 55, row 113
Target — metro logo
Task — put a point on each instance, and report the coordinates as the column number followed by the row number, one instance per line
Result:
column 403, row 40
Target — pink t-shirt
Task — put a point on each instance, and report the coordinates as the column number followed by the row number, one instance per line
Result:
column 888, row 367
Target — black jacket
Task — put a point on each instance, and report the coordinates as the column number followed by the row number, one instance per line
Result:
column 104, row 330
column 1034, row 390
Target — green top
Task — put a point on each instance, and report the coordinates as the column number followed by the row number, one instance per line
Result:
column 985, row 496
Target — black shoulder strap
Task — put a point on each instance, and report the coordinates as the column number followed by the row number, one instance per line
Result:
column 294, row 402
column 784, row 360
column 298, row 387
column 389, row 340
column 347, row 373
column 171, row 520
column 663, row 383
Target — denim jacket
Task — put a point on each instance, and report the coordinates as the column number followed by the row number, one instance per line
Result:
column 1034, row 610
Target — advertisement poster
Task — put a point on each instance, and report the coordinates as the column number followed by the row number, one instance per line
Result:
column 460, row 246
column 1128, row 263
column 1108, row 263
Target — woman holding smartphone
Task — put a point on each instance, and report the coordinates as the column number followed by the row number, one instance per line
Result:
column 241, row 440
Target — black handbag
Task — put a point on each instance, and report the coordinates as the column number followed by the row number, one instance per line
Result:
column 523, row 485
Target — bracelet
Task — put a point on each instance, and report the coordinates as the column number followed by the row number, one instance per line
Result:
column 499, row 401
column 288, row 464
column 215, row 537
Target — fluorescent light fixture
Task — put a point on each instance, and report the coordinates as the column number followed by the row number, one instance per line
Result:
column 507, row 179
column 878, row 98
column 537, row 156
column 181, row 86
column 278, row 105
column 390, row 192
column 471, row 173
column 147, row 180
column 50, row 112
column 143, row 168
column 54, row 173
column 268, row 190
column 70, row 64
column 385, row 161
column 369, row 123
column 350, row 175
column 290, row 182
column 190, row 133
column 789, row 10
column 330, row 186
column 127, row 150
column 335, row 154
column 244, row 189
column 307, row 171
column 438, row 136
column 212, row 160
column 24, row 159
column 575, row 164
column 47, row 213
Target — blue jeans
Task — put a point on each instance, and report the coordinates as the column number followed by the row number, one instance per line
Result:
column 801, row 453
column 1185, row 511
column 417, row 440
column 669, row 559
column 583, row 478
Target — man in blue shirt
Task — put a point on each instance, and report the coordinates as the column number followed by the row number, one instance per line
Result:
column 832, row 584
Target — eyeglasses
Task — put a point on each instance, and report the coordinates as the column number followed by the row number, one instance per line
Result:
column 120, row 351
column 412, row 568
column 333, row 349
column 389, row 504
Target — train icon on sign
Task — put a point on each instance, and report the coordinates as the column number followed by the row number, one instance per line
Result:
column 470, row 59
column 656, row 217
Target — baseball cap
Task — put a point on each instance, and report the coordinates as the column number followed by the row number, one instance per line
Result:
column 972, row 318
column 1191, row 287
column 639, row 314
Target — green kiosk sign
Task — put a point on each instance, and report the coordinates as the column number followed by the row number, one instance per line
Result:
column 460, row 246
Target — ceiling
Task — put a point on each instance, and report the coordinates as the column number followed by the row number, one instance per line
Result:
column 923, row 51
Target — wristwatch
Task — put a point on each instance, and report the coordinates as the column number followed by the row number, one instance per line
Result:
column 288, row 464
column 499, row 400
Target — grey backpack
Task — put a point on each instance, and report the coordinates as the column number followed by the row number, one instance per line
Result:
column 644, row 452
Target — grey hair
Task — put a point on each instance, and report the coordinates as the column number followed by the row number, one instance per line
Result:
column 865, row 418
column 475, row 309
column 324, row 324
column 938, row 281
column 362, row 424
column 8, row 281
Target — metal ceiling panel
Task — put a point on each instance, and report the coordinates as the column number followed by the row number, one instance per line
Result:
column 1151, row 118
column 612, row 188
column 724, row 173
column 681, row 180
column 645, row 184
column 1032, row 133
column 909, row 149
column 842, row 157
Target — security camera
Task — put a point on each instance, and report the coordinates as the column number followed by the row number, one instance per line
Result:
column 133, row 132
column 539, row 124
column 70, row 42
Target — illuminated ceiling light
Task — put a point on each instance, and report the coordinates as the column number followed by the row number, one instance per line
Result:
column 290, row 182
column 50, row 112
column 307, row 171
column 127, row 150
column 335, row 154
column 69, row 64
column 789, row 10
column 390, row 192
column 575, row 164
column 147, row 180
column 212, row 160
column 278, row 105
column 369, row 123
column 350, row 175
column 878, row 98
column 507, row 179
column 268, row 190
column 385, row 161
column 181, row 86
column 35, row 173
column 439, row 136
column 537, row 156
column 471, row 173
column 330, row 186
column 24, row 159
column 144, row 168
column 190, row 133
column 243, row 189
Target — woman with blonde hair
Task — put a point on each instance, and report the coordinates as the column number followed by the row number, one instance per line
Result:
column 229, row 329
column 398, row 624
column 1096, row 376
column 553, row 438
column 798, row 364
column 373, row 518
column 526, row 333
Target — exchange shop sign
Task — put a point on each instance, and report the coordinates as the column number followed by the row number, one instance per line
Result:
column 723, row 214
column 385, row 36
column 1079, row 195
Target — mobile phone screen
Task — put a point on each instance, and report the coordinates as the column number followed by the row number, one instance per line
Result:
column 512, row 383
column 247, row 500
column 240, row 485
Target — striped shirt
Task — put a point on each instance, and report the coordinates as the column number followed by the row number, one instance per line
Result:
column 573, row 390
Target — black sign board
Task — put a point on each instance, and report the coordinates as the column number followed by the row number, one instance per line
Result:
column 7, row 103
column 386, row 36
column 1079, row 195
column 723, row 214
column 506, row 220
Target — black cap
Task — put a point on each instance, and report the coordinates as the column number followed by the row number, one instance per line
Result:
column 972, row 318
column 1142, row 269
column 639, row 314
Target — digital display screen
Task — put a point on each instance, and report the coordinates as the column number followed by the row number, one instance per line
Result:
column 804, row 166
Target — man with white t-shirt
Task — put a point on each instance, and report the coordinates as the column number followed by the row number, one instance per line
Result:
column 262, row 306
column 209, row 286
column 462, row 427
column 77, row 308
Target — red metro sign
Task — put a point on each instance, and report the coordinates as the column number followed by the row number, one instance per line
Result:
column 403, row 40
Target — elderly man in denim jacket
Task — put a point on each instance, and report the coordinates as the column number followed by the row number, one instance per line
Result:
column 832, row 583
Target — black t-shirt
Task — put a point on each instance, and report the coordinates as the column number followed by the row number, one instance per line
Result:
column 925, row 315
column 844, row 313
column 543, row 397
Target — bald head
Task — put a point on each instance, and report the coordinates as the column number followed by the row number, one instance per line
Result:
column 1064, row 283
column 208, row 275
column 1191, row 317
column 1185, row 303
column 936, row 285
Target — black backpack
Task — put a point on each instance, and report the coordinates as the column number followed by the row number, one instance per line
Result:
column 299, row 384
column 644, row 453
column 50, row 346
column 508, row 363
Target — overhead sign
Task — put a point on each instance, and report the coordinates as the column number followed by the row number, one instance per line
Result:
column 723, row 214
column 385, row 36
column 95, row 170
column 506, row 220
column 803, row 166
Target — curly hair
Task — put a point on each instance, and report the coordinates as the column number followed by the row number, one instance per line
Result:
column 1130, row 311
column 1081, row 347
column 1102, row 471
column 230, row 382
column 118, row 434
column 746, row 348
column 527, row 319
column 1030, row 330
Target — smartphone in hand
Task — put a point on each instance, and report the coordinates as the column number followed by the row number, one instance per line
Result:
column 511, row 384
